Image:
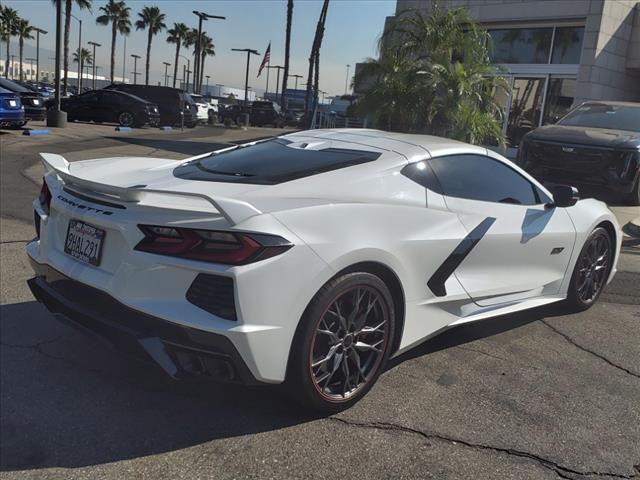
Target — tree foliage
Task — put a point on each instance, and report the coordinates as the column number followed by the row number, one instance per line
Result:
column 151, row 19
column 434, row 75
column 117, row 14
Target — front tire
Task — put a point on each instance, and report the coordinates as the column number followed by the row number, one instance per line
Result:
column 126, row 119
column 591, row 271
column 342, row 344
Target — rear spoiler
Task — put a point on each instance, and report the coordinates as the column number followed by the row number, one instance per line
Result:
column 234, row 211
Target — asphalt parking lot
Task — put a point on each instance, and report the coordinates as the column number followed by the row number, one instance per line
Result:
column 534, row 395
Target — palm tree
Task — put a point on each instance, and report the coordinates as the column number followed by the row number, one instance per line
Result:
column 23, row 30
column 207, row 49
column 190, row 41
column 177, row 35
column 314, row 61
column 287, row 46
column 83, row 4
column 9, row 17
column 153, row 21
column 83, row 56
column 116, row 13
column 419, row 83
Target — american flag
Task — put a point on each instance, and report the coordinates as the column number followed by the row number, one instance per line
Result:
column 266, row 59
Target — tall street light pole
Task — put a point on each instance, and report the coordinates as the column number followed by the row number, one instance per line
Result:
column 246, row 78
column 38, row 32
column 184, row 72
column 55, row 117
column 296, row 77
column 124, row 57
column 94, row 45
column 277, row 67
column 346, row 82
column 135, row 68
column 166, row 65
column 79, row 85
column 197, row 74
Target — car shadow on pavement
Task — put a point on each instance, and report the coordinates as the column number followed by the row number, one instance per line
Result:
column 466, row 333
column 186, row 147
column 67, row 401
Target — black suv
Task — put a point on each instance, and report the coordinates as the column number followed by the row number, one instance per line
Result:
column 33, row 102
column 111, row 106
column 267, row 113
column 172, row 102
column 597, row 144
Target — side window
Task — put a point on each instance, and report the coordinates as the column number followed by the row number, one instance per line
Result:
column 422, row 173
column 90, row 97
column 477, row 177
column 112, row 98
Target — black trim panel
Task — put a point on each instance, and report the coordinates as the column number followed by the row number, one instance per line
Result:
column 453, row 261
column 180, row 351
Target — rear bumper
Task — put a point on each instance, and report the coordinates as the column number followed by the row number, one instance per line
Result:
column 12, row 116
column 180, row 351
column 35, row 113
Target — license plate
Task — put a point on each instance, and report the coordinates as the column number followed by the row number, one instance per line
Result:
column 36, row 101
column 84, row 242
column 12, row 103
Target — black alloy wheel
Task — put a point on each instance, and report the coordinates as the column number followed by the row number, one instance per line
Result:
column 126, row 119
column 591, row 271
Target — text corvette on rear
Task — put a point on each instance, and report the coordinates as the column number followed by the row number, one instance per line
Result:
column 308, row 259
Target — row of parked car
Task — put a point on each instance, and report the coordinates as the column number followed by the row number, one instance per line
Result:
column 136, row 106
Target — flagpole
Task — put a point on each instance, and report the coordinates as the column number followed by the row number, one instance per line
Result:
column 266, row 90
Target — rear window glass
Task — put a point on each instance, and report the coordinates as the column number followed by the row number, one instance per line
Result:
column 601, row 115
column 270, row 162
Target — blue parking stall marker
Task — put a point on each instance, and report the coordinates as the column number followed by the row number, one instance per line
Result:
column 166, row 129
column 123, row 129
column 30, row 132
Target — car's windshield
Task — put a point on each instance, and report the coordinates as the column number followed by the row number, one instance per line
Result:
column 602, row 115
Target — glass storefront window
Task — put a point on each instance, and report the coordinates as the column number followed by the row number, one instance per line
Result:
column 567, row 45
column 560, row 96
column 521, row 45
column 526, row 108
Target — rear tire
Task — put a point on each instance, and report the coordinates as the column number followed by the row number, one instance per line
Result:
column 591, row 271
column 342, row 343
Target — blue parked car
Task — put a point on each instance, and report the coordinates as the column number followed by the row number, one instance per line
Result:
column 11, row 109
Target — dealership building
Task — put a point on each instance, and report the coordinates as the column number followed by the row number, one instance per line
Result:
column 556, row 53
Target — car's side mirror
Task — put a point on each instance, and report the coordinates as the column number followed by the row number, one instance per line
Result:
column 563, row 196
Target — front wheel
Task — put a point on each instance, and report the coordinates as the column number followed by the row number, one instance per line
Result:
column 591, row 271
column 342, row 343
column 126, row 119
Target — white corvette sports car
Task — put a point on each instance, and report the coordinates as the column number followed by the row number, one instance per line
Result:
column 310, row 258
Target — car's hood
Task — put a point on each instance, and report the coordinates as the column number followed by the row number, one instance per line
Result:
column 599, row 137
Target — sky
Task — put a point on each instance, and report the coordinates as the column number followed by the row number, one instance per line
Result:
column 351, row 33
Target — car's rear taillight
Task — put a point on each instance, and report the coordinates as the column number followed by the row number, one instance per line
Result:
column 45, row 197
column 209, row 245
